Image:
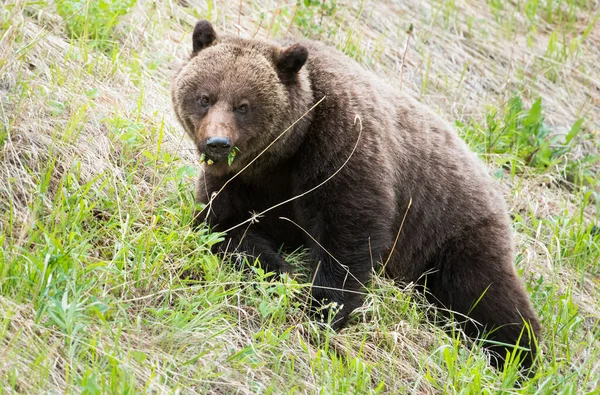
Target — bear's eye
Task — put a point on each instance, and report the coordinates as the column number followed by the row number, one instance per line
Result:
column 204, row 101
column 242, row 108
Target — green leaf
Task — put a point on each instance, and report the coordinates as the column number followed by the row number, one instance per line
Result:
column 56, row 108
column 92, row 93
column 264, row 309
column 534, row 116
column 231, row 157
column 246, row 354
column 574, row 130
column 139, row 356
column 186, row 171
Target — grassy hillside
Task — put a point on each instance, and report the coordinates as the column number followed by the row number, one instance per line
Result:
column 104, row 288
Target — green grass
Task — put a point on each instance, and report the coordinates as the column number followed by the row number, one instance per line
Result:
column 93, row 20
column 105, row 287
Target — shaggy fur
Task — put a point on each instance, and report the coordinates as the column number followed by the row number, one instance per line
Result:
column 456, row 237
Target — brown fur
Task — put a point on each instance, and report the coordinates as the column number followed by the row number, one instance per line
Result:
column 456, row 238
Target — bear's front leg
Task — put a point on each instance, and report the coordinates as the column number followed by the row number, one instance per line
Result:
column 224, row 213
column 347, row 239
column 337, row 288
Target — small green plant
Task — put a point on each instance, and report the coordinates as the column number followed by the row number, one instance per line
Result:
column 93, row 19
column 523, row 133
column 310, row 13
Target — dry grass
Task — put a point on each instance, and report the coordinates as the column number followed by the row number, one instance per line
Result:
column 96, row 192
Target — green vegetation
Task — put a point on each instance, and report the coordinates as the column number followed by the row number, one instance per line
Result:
column 92, row 19
column 523, row 138
column 105, row 287
column 309, row 15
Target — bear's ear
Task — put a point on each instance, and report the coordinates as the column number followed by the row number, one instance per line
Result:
column 204, row 35
column 290, row 61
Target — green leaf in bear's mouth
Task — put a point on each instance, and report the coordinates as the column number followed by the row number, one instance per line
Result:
column 202, row 158
column 232, row 155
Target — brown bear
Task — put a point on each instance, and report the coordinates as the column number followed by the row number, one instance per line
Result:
column 303, row 147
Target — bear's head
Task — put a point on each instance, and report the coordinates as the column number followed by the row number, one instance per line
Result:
column 235, row 97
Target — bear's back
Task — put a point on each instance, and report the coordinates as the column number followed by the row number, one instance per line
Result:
column 403, row 143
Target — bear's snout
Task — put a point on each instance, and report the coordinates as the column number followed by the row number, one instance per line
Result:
column 217, row 148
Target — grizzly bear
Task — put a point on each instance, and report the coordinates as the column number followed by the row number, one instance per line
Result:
column 303, row 147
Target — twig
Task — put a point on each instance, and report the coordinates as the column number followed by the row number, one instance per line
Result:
column 397, row 236
column 277, row 10
column 292, row 20
column 409, row 32
column 258, row 29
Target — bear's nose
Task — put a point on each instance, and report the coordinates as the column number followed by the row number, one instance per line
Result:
column 218, row 145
